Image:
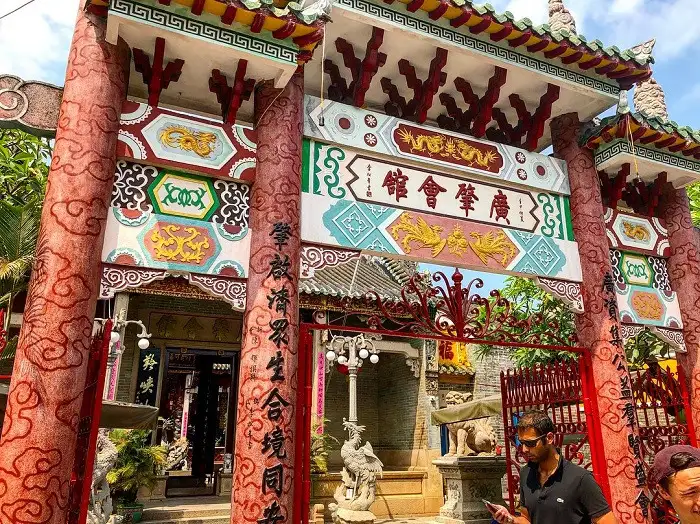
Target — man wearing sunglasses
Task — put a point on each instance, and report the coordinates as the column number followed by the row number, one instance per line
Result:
column 552, row 489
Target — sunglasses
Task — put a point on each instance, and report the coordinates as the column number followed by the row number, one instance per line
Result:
column 532, row 443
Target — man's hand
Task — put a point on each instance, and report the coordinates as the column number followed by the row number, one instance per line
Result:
column 502, row 515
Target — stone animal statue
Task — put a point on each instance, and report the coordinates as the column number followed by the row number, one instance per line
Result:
column 454, row 398
column 177, row 455
column 100, row 505
column 359, row 480
column 472, row 437
column 560, row 17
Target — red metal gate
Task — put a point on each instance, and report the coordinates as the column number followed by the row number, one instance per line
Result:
column 561, row 390
column 88, row 426
column 663, row 415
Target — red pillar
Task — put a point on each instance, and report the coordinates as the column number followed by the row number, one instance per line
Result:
column 38, row 443
column 265, row 421
column 598, row 330
column 684, row 274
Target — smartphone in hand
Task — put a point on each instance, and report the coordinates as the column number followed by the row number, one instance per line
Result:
column 489, row 506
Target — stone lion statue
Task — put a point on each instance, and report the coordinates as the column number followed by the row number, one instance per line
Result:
column 454, row 398
column 472, row 437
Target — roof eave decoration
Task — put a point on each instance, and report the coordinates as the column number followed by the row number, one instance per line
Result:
column 644, row 131
column 625, row 67
column 301, row 23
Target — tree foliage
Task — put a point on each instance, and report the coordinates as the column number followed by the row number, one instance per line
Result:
column 24, row 169
column 694, row 199
column 527, row 300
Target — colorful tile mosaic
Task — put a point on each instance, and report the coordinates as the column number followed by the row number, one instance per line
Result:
column 648, row 306
column 190, row 143
column 175, row 244
column 339, row 172
column 140, row 190
column 636, row 233
column 431, row 238
column 386, row 135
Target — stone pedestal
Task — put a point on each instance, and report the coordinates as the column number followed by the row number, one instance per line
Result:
column 224, row 484
column 468, row 480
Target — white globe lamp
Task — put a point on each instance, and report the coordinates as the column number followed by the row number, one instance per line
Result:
column 143, row 343
column 364, row 353
column 330, row 355
column 374, row 359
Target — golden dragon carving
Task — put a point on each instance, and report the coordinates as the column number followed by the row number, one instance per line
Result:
column 199, row 142
column 635, row 231
column 445, row 147
column 168, row 245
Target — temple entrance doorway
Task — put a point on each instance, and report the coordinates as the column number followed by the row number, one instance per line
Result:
column 198, row 404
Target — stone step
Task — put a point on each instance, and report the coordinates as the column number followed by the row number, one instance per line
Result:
column 192, row 508
column 215, row 519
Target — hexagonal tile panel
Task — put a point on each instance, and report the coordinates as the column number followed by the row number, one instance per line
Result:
column 183, row 195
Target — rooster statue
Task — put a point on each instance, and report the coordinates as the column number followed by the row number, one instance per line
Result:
column 358, row 490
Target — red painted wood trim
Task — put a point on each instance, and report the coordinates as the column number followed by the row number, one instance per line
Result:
column 461, row 19
column 440, row 10
column 311, row 38
column 542, row 114
column 481, row 26
column 604, row 70
column 503, row 33
column 197, row 7
column 258, row 22
column 557, row 51
column 588, row 64
column 573, row 58
column 539, row 46
column 285, row 31
column 230, row 14
column 665, row 143
column 520, row 40
column 414, row 5
column 490, row 98
column 651, row 138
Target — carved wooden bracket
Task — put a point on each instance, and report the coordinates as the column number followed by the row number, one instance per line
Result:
column 154, row 75
column 530, row 127
column 232, row 97
column 423, row 92
column 643, row 198
column 362, row 71
column 479, row 113
column 612, row 189
column 30, row 106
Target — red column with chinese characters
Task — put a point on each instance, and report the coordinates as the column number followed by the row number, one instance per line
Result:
column 599, row 329
column 684, row 274
column 265, row 422
column 38, row 443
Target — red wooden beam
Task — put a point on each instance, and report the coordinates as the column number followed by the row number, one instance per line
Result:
column 414, row 5
column 503, row 33
column 553, row 53
column 619, row 74
column 436, row 79
column 258, row 22
column 690, row 151
column 423, row 92
column 593, row 62
column 311, row 38
column 539, row 46
column 231, row 98
column 490, row 98
column 572, row 58
column 462, row 18
column 520, row 40
column 651, row 138
column 230, row 14
column 665, row 143
column 644, row 199
column 480, row 27
column 440, row 10
column 542, row 114
column 197, row 7
column 604, row 70
column 362, row 71
column 613, row 189
column 504, row 126
column 286, row 30
column 678, row 147
column 154, row 75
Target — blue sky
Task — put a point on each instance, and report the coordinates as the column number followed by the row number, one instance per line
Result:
column 35, row 43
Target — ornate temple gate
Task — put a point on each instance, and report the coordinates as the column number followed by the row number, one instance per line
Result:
column 448, row 311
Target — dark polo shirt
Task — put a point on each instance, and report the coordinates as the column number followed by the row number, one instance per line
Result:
column 570, row 495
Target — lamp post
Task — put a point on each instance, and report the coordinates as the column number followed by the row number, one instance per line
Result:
column 115, row 346
column 351, row 352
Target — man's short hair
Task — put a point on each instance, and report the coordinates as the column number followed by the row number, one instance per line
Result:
column 537, row 420
column 678, row 462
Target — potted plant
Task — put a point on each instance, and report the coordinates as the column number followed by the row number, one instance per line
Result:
column 137, row 465
column 321, row 444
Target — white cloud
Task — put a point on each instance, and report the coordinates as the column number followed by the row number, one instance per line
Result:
column 35, row 40
column 625, row 23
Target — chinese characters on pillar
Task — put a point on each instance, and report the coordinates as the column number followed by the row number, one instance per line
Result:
column 275, row 405
column 629, row 415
